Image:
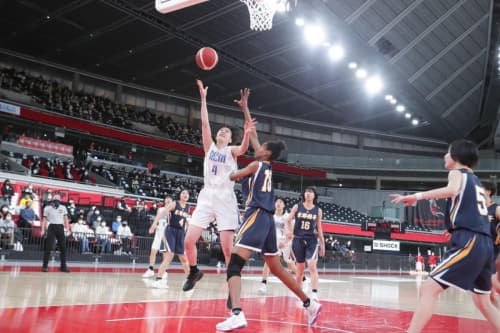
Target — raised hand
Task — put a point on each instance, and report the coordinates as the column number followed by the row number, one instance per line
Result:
column 408, row 200
column 250, row 125
column 203, row 90
column 243, row 101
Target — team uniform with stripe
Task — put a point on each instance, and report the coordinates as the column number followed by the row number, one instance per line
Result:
column 217, row 200
column 305, row 242
column 494, row 230
column 159, row 232
column 258, row 232
column 468, row 264
column 286, row 251
column 175, row 231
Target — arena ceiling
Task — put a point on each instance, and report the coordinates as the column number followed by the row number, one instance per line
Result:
column 436, row 57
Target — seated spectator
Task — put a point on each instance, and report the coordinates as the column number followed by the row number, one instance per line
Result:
column 9, row 233
column 103, row 235
column 4, row 201
column 82, row 232
column 116, row 223
column 27, row 216
column 26, row 197
column 125, row 235
column 7, row 190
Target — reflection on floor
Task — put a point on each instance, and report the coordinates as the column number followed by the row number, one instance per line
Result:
column 119, row 300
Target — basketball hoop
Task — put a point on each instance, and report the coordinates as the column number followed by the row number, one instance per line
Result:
column 261, row 13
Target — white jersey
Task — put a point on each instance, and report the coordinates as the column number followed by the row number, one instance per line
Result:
column 217, row 166
column 162, row 224
column 280, row 222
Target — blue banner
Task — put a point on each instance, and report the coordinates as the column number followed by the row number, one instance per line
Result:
column 9, row 108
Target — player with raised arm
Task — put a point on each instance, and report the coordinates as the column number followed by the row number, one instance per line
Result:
column 217, row 200
column 467, row 265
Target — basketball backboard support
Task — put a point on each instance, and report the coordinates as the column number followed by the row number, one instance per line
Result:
column 167, row 6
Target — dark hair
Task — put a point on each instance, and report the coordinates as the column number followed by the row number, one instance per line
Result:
column 179, row 194
column 490, row 187
column 465, row 152
column 168, row 196
column 310, row 189
column 282, row 200
column 276, row 148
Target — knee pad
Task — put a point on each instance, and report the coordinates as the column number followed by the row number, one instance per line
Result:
column 235, row 266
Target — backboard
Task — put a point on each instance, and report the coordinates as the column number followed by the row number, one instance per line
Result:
column 167, row 6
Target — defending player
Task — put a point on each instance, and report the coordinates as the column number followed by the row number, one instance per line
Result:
column 468, row 263
column 258, row 234
column 284, row 245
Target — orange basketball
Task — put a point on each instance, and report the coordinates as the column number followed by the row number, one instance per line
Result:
column 206, row 58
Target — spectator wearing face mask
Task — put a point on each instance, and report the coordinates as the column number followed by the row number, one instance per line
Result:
column 47, row 197
column 81, row 232
column 90, row 213
column 73, row 211
column 9, row 234
column 7, row 189
column 116, row 223
column 125, row 235
column 95, row 219
column 27, row 217
column 54, row 221
column 103, row 235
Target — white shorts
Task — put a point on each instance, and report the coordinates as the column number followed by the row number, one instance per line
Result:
column 216, row 205
column 157, row 240
column 286, row 251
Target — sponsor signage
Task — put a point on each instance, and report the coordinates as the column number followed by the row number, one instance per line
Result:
column 9, row 108
column 385, row 245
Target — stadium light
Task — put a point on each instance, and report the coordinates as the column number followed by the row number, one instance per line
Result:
column 300, row 21
column 353, row 65
column 374, row 85
column 400, row 108
column 314, row 34
column 361, row 73
column 336, row 52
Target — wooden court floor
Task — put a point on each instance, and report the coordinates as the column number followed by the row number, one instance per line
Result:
column 95, row 298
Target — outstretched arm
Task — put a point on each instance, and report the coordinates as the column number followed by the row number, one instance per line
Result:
column 243, row 104
column 243, row 147
column 206, row 132
column 453, row 187
column 246, row 171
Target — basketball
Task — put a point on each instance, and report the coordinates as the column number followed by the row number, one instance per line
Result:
column 206, row 58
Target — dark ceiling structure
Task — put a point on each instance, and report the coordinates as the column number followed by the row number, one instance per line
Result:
column 436, row 57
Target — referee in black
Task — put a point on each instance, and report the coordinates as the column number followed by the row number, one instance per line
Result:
column 55, row 215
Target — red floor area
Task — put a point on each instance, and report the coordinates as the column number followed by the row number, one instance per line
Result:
column 272, row 315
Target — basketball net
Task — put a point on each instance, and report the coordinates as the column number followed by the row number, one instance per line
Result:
column 261, row 13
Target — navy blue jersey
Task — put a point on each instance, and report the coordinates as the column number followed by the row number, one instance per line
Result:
column 245, row 189
column 467, row 209
column 261, row 191
column 492, row 217
column 179, row 216
column 305, row 221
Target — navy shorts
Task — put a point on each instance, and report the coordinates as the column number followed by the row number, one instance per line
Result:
column 174, row 240
column 305, row 249
column 468, row 264
column 258, row 232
